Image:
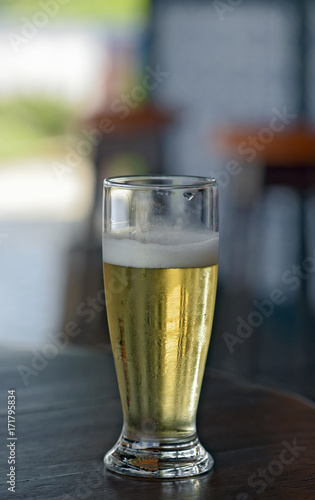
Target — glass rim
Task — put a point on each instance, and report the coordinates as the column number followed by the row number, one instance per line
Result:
column 133, row 182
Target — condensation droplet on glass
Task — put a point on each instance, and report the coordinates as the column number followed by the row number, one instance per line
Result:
column 189, row 195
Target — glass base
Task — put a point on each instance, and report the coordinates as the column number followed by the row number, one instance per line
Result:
column 160, row 460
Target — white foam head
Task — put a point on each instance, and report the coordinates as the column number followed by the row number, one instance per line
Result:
column 163, row 249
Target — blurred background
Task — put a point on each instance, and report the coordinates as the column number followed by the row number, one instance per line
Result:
column 215, row 88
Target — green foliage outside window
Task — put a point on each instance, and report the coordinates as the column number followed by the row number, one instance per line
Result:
column 100, row 10
column 26, row 122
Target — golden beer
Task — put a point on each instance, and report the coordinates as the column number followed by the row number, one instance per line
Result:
column 160, row 322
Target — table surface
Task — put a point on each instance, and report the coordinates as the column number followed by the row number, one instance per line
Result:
column 68, row 415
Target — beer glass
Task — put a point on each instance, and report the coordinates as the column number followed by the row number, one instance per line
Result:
column 160, row 254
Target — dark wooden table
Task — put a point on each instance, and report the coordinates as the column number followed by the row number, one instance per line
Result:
column 68, row 415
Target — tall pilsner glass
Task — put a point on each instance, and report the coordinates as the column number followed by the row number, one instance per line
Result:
column 160, row 253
